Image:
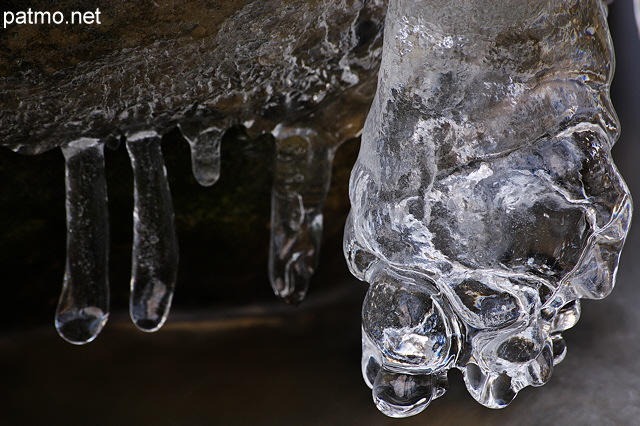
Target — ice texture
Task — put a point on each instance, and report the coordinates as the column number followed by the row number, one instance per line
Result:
column 301, row 181
column 155, row 245
column 259, row 61
column 83, row 308
column 485, row 202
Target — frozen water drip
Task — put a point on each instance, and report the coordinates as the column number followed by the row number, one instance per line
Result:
column 83, row 307
column 301, row 181
column 204, row 142
column 155, row 246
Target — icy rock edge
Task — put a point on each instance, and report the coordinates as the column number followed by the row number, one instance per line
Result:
column 485, row 202
column 305, row 74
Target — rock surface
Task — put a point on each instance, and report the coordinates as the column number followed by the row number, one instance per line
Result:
column 155, row 64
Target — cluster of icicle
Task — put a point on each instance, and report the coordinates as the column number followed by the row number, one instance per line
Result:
column 289, row 73
column 301, row 181
column 83, row 308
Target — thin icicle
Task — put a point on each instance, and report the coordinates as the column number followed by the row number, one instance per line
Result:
column 83, row 308
column 205, row 151
column 155, row 246
column 301, row 182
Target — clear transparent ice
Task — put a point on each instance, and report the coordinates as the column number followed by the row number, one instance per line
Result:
column 485, row 202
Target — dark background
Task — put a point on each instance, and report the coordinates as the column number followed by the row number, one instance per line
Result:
column 232, row 354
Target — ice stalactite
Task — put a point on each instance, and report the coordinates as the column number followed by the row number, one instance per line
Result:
column 301, row 181
column 485, row 201
column 204, row 140
column 83, row 308
column 155, row 246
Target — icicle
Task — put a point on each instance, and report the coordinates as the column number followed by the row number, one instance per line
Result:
column 205, row 151
column 301, row 181
column 155, row 247
column 83, row 308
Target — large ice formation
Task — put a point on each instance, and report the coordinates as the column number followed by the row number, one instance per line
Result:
column 485, row 202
